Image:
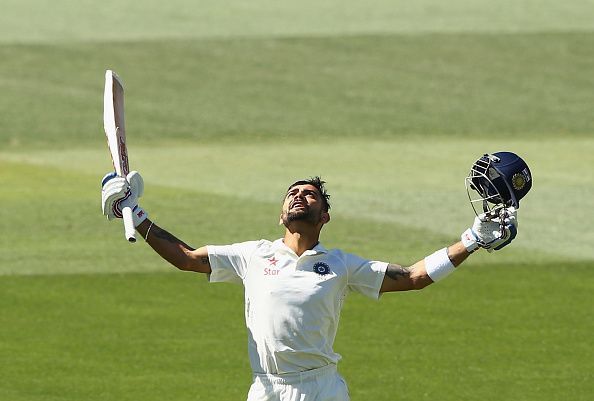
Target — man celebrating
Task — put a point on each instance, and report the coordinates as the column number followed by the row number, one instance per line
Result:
column 295, row 287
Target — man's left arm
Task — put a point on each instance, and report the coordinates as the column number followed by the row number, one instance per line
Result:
column 487, row 232
column 415, row 277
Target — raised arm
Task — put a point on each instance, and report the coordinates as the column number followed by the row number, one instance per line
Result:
column 174, row 250
column 487, row 233
column 119, row 192
column 415, row 277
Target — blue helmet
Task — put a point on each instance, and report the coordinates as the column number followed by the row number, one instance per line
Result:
column 500, row 179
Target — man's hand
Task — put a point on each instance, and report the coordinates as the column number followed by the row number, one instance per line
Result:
column 492, row 232
column 119, row 192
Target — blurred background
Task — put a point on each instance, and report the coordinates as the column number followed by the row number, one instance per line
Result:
column 226, row 104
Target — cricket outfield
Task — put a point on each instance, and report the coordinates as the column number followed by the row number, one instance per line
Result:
column 389, row 103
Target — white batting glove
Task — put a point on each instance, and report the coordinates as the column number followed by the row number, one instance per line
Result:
column 491, row 232
column 119, row 192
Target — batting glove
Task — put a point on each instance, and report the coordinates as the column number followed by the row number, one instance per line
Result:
column 492, row 232
column 119, row 192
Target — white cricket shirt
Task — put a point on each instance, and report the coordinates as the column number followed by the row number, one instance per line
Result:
column 293, row 303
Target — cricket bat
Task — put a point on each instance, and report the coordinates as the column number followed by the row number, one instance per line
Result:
column 115, row 131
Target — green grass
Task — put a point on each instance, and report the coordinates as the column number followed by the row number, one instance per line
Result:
column 173, row 336
column 226, row 104
column 462, row 85
column 112, row 20
column 121, row 336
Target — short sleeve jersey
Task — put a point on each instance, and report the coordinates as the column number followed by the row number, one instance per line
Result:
column 293, row 303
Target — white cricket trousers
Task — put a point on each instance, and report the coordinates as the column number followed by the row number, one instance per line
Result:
column 323, row 384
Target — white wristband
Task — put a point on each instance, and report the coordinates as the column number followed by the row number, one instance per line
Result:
column 469, row 240
column 439, row 265
column 138, row 215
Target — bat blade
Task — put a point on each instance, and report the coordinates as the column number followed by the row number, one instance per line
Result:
column 114, row 122
column 115, row 130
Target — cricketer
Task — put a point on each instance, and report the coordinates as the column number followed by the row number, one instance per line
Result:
column 295, row 287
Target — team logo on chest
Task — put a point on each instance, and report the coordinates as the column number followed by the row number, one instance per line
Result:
column 321, row 268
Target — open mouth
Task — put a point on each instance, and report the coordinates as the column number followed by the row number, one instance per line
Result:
column 297, row 205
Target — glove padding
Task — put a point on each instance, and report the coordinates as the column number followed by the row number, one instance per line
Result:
column 119, row 192
column 492, row 232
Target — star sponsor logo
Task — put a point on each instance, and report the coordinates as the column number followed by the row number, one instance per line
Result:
column 271, row 272
column 272, row 269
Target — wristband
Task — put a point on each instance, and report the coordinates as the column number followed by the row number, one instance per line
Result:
column 138, row 215
column 438, row 265
column 469, row 240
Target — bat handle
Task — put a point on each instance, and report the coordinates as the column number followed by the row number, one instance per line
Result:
column 128, row 224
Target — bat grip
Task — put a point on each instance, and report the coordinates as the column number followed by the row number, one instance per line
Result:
column 128, row 224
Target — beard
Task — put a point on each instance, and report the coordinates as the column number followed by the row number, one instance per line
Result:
column 305, row 215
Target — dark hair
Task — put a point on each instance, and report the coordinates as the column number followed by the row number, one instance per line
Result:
column 319, row 184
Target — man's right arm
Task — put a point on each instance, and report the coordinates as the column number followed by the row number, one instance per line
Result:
column 174, row 250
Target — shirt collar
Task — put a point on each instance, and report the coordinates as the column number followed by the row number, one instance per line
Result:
column 319, row 248
column 280, row 245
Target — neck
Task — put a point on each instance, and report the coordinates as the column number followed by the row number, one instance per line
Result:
column 301, row 241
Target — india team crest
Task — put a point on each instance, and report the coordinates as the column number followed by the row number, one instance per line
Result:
column 321, row 268
column 519, row 180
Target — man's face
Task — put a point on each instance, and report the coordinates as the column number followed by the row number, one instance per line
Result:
column 304, row 203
